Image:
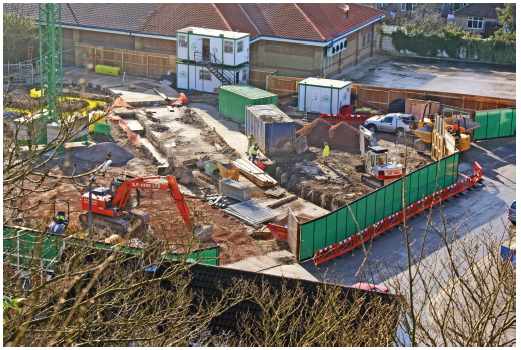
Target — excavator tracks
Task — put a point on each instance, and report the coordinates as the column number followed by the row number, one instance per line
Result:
column 117, row 224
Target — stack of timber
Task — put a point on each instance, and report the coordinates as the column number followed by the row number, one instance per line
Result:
column 254, row 173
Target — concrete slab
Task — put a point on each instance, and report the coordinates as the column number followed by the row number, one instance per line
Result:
column 279, row 263
column 229, row 130
column 134, row 126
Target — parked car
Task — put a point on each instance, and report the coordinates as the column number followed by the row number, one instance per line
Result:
column 398, row 123
column 512, row 212
column 371, row 287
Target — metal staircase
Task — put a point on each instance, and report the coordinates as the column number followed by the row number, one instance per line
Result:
column 215, row 67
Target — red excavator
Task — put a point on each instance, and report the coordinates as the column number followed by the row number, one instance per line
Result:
column 114, row 208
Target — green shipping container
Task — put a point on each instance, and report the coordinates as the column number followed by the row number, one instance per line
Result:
column 233, row 100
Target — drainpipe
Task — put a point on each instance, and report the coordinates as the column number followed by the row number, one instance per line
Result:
column 372, row 39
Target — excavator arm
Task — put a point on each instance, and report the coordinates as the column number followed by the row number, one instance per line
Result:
column 122, row 194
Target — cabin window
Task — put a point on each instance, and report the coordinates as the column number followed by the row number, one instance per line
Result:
column 205, row 75
column 182, row 41
column 228, row 46
column 244, row 76
column 240, row 46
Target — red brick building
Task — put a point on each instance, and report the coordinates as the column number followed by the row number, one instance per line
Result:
column 300, row 40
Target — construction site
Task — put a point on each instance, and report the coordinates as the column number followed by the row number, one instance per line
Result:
column 316, row 155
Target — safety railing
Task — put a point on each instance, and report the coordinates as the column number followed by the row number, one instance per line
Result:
column 357, row 239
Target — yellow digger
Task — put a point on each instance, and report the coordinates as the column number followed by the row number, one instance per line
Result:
column 423, row 130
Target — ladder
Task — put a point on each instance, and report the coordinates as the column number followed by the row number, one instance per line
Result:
column 29, row 53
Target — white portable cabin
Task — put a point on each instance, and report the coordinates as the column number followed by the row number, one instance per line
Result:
column 324, row 96
column 198, row 77
column 229, row 48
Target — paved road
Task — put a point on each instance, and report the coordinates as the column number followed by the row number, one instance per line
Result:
column 446, row 76
column 483, row 207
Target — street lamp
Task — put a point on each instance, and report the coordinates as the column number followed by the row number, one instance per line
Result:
column 89, row 222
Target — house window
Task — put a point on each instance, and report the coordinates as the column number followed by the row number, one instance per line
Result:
column 182, row 41
column 407, row 7
column 240, row 46
column 228, row 46
column 363, row 40
column 205, row 75
column 475, row 23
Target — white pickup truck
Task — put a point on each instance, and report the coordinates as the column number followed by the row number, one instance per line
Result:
column 398, row 123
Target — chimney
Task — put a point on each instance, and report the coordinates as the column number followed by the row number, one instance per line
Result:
column 347, row 11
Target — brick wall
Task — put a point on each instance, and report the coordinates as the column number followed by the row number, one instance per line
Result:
column 159, row 45
column 108, row 40
column 69, row 57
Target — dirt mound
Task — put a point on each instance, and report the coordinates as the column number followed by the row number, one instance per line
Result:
column 316, row 132
column 22, row 100
column 98, row 153
column 344, row 136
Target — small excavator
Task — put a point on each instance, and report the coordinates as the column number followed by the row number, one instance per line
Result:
column 60, row 220
column 114, row 208
column 378, row 170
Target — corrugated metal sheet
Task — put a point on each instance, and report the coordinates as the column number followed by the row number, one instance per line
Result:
column 273, row 129
column 234, row 98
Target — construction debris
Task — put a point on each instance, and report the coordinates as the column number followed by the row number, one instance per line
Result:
column 165, row 97
column 252, row 212
column 277, row 193
column 254, row 173
column 218, row 201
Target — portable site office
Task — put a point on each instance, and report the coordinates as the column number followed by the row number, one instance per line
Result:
column 230, row 48
column 197, row 76
column 324, row 96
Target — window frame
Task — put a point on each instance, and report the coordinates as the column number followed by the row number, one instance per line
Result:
column 204, row 73
column 240, row 46
column 183, row 42
column 475, row 20
column 225, row 47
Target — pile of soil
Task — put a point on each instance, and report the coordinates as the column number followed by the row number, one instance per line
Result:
column 73, row 105
column 316, row 132
column 20, row 99
column 343, row 136
column 98, row 153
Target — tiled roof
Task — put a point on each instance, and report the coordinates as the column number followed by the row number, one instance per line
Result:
column 119, row 16
column 305, row 21
column 479, row 10
column 210, row 280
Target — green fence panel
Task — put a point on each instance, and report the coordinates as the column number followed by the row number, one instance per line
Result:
column 432, row 170
column 370, row 209
column 306, row 243
column 481, row 132
column 319, row 239
column 397, row 197
column 493, row 124
column 381, row 203
column 505, row 122
column 441, row 174
column 351, row 216
column 423, row 179
column 454, row 161
column 514, row 121
column 341, row 224
column 389, row 193
column 413, row 180
column 361, row 213
column 331, row 229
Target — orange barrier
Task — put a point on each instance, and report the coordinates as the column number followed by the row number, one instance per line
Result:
column 357, row 239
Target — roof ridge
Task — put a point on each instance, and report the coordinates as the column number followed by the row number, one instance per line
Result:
column 248, row 16
column 222, row 17
column 310, row 22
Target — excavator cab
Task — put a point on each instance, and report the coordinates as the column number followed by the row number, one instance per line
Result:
column 133, row 201
column 379, row 170
column 60, row 220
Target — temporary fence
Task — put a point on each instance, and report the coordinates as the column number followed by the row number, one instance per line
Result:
column 358, row 119
column 495, row 123
column 397, row 218
column 25, row 248
column 350, row 219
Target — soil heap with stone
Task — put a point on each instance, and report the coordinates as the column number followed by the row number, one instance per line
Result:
column 98, row 153
column 316, row 132
column 343, row 136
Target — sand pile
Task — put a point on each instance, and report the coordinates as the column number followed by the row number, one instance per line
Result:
column 344, row 136
column 98, row 153
column 316, row 132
